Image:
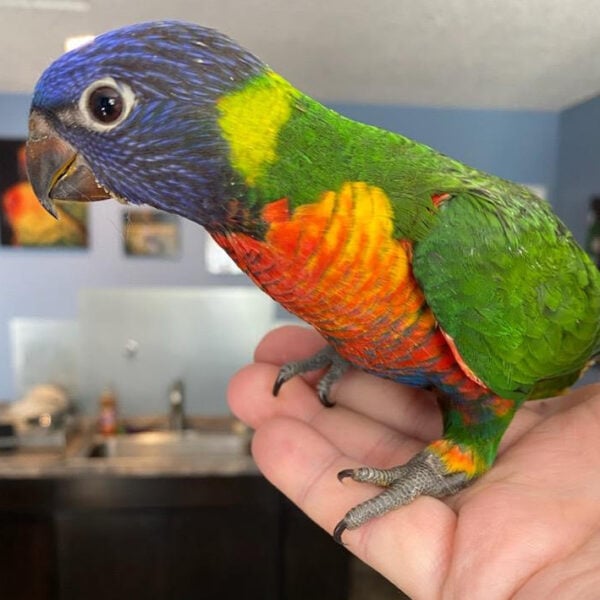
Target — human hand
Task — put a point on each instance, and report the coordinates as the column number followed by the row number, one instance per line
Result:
column 528, row 529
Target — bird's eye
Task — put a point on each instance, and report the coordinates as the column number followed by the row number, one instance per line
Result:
column 105, row 104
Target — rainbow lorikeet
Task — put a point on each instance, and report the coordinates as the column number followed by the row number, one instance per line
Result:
column 412, row 265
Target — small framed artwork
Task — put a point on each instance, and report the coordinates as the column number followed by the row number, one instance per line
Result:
column 23, row 220
column 151, row 233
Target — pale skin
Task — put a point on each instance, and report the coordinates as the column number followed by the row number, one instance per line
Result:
column 529, row 528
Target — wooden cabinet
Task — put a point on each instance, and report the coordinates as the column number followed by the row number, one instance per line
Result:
column 27, row 564
column 162, row 538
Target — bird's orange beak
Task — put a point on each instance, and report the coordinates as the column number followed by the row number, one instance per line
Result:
column 56, row 170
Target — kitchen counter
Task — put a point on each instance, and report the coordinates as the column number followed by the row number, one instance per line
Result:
column 157, row 527
column 47, row 465
column 74, row 459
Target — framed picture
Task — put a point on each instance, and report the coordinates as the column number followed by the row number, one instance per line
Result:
column 152, row 233
column 23, row 220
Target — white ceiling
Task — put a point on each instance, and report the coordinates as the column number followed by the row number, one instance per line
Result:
column 538, row 54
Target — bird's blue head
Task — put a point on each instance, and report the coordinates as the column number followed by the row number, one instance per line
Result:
column 133, row 115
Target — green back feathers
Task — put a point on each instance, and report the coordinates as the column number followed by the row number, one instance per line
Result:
column 510, row 286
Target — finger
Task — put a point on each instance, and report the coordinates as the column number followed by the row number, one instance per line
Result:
column 359, row 436
column 524, row 420
column 532, row 413
column 410, row 546
column 410, row 410
column 250, row 396
column 581, row 395
column 288, row 343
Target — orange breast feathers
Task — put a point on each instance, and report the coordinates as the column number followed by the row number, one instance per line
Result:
column 336, row 264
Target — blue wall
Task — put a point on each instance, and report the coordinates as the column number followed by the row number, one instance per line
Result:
column 578, row 170
column 13, row 116
column 519, row 145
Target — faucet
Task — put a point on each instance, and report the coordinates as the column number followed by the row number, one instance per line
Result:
column 176, row 406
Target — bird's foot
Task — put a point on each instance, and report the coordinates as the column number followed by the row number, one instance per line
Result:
column 441, row 469
column 327, row 357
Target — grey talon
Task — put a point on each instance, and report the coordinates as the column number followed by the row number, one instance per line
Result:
column 338, row 532
column 344, row 474
column 423, row 475
column 325, row 358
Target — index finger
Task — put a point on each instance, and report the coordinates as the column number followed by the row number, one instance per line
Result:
column 409, row 410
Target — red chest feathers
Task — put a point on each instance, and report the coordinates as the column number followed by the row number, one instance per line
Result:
column 336, row 265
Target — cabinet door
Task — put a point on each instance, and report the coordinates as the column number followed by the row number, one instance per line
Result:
column 168, row 554
column 315, row 566
column 26, row 557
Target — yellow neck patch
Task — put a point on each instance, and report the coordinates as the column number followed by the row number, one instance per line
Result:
column 250, row 120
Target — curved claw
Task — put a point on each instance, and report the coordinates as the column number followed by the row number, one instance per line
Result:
column 324, row 358
column 338, row 532
column 338, row 366
column 279, row 381
column 324, row 398
column 344, row 474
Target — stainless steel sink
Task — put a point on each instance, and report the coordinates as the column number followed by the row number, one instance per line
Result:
column 173, row 444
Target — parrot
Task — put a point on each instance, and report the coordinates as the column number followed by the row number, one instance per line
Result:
column 413, row 266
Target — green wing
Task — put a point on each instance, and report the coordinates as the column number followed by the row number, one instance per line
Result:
column 507, row 282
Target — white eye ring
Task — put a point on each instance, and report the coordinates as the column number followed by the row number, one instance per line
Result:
column 105, row 104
